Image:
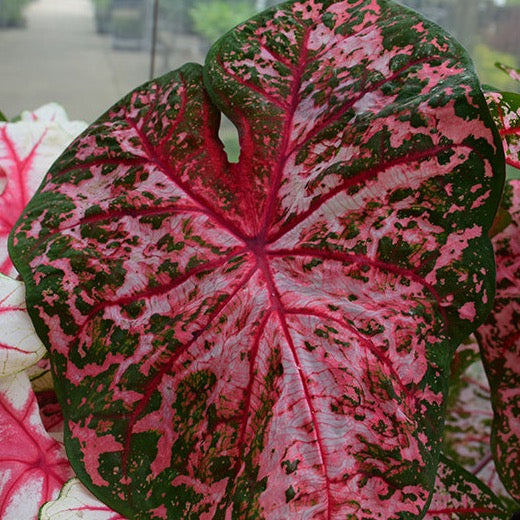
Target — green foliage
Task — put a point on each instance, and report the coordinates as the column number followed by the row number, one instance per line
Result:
column 127, row 23
column 11, row 12
column 211, row 19
column 512, row 173
column 229, row 137
column 102, row 4
column 485, row 58
column 102, row 15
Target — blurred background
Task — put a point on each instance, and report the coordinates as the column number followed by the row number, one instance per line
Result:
column 86, row 54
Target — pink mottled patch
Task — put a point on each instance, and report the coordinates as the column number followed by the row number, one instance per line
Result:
column 467, row 311
column 94, row 444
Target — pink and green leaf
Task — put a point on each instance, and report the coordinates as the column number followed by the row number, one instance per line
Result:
column 469, row 413
column 499, row 338
column 459, row 495
column 33, row 466
column 270, row 338
column 20, row 346
column 28, row 147
column 75, row 502
column 505, row 109
column 469, row 416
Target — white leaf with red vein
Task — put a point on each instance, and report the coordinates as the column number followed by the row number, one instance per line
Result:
column 75, row 502
column 499, row 338
column 33, row 466
column 20, row 346
column 28, row 147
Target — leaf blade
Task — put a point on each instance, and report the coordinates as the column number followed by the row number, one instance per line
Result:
column 499, row 339
column 505, row 109
column 222, row 307
column 27, row 149
column 459, row 494
column 34, row 466
column 20, row 347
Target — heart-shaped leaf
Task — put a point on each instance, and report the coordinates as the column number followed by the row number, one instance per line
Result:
column 499, row 338
column 28, row 147
column 76, row 503
column 33, row 466
column 20, row 346
column 459, row 495
column 272, row 338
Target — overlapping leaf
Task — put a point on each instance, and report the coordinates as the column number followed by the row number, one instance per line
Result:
column 20, row 346
column 28, row 147
column 505, row 109
column 272, row 338
column 499, row 338
column 33, row 466
column 469, row 415
column 466, row 439
column 49, row 408
column 459, row 495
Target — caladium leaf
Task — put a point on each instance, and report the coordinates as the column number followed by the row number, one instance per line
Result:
column 28, row 147
column 270, row 338
column 499, row 338
column 469, row 415
column 51, row 414
column 460, row 495
column 50, row 410
column 77, row 503
column 505, row 109
column 20, row 346
column 33, row 466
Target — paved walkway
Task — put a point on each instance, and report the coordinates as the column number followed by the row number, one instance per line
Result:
column 59, row 57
